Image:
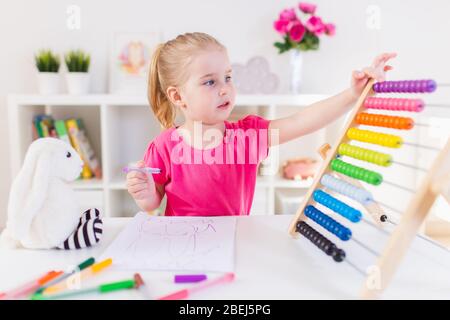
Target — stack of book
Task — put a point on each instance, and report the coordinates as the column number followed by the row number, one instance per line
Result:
column 74, row 133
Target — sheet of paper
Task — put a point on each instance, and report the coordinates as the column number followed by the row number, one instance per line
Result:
column 175, row 243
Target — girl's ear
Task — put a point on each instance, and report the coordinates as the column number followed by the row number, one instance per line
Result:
column 174, row 96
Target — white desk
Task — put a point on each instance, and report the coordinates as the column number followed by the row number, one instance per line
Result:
column 269, row 265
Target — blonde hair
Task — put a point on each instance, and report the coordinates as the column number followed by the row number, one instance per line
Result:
column 168, row 68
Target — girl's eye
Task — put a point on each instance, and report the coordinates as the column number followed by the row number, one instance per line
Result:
column 210, row 82
column 68, row 155
column 228, row 78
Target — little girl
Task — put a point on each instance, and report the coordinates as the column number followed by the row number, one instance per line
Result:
column 209, row 165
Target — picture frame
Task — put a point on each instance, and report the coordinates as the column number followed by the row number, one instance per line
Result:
column 130, row 55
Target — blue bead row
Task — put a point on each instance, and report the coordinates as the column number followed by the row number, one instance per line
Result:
column 328, row 223
column 337, row 206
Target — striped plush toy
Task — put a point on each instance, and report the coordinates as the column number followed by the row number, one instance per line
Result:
column 89, row 231
column 43, row 212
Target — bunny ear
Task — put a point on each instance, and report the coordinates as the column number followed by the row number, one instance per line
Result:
column 29, row 190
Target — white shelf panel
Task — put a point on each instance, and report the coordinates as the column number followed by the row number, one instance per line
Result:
column 78, row 100
column 118, row 185
column 280, row 182
column 87, row 184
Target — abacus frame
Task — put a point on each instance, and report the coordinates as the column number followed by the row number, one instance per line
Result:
column 436, row 181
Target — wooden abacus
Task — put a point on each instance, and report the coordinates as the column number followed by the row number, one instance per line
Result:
column 347, row 181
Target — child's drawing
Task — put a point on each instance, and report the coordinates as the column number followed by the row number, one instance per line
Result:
column 175, row 243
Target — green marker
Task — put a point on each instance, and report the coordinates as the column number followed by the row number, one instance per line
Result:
column 65, row 275
column 104, row 288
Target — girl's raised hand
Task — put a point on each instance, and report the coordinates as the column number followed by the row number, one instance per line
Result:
column 376, row 71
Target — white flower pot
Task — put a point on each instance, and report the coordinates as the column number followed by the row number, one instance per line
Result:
column 78, row 82
column 296, row 61
column 49, row 82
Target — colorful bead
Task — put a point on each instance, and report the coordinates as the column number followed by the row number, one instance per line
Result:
column 382, row 139
column 356, row 172
column 328, row 223
column 406, row 86
column 337, row 206
column 347, row 189
column 381, row 159
column 320, row 241
column 380, row 120
column 395, row 104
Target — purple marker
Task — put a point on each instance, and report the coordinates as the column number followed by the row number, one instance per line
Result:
column 184, row 278
column 144, row 170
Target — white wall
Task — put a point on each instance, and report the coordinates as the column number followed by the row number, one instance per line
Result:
column 418, row 31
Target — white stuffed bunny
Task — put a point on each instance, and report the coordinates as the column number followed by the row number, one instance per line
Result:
column 42, row 210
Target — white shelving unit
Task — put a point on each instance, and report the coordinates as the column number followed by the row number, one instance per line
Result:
column 120, row 128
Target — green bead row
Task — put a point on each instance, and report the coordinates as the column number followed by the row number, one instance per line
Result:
column 356, row 172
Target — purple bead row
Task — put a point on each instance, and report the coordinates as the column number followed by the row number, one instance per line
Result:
column 408, row 86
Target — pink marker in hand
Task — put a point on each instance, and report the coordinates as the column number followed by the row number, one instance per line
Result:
column 143, row 169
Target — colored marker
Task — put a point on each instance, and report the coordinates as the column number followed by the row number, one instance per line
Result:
column 144, row 170
column 104, row 288
column 65, row 275
column 184, row 293
column 30, row 287
column 142, row 287
column 86, row 273
column 187, row 278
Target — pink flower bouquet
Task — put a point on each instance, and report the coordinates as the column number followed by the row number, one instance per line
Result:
column 301, row 34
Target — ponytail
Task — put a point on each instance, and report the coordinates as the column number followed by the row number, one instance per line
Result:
column 160, row 104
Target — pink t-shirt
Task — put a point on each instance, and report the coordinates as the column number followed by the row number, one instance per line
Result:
column 211, row 182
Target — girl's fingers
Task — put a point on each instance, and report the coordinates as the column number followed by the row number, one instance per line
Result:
column 383, row 58
column 387, row 68
column 134, row 182
column 140, row 164
column 138, row 188
column 378, row 59
column 370, row 72
column 375, row 73
column 136, row 174
column 358, row 75
column 138, row 178
column 140, row 195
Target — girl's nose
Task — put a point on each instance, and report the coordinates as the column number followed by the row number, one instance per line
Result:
column 223, row 91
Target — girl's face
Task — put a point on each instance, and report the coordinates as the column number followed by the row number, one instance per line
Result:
column 208, row 94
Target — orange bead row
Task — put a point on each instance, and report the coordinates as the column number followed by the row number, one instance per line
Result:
column 380, row 120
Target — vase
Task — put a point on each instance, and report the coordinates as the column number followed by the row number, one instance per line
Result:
column 296, row 64
column 78, row 82
column 48, row 82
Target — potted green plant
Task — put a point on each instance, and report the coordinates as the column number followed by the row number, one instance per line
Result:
column 47, row 63
column 77, row 77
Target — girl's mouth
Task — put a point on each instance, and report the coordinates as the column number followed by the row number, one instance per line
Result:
column 224, row 105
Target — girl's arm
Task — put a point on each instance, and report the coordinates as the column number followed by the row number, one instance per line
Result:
column 321, row 113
